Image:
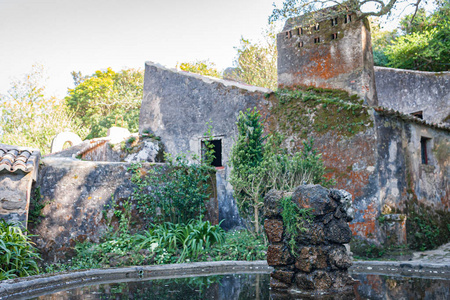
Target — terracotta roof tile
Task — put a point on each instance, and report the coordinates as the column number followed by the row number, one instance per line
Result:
column 14, row 158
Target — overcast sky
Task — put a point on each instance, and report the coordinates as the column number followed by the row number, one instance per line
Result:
column 88, row 35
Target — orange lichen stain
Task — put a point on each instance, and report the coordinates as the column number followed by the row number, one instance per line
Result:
column 375, row 282
column 368, row 227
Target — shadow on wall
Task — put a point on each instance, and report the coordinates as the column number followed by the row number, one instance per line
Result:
column 77, row 198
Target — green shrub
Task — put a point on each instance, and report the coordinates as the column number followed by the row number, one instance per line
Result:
column 17, row 255
column 176, row 193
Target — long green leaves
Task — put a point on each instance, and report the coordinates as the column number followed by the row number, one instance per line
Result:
column 189, row 240
column 17, row 255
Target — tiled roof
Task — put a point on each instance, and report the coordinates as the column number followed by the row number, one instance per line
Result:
column 410, row 118
column 18, row 158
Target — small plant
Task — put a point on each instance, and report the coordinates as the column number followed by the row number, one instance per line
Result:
column 17, row 255
column 294, row 219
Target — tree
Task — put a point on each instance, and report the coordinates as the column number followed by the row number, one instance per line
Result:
column 202, row 67
column 294, row 8
column 256, row 63
column 106, row 99
column 29, row 117
column 424, row 44
column 259, row 164
column 248, row 171
column 380, row 40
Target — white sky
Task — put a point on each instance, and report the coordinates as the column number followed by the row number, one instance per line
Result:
column 88, row 35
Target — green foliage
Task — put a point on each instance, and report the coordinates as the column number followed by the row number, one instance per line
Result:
column 238, row 245
column 202, row 67
column 29, row 117
column 258, row 167
column 294, row 219
column 302, row 110
column 176, row 192
column 106, row 99
column 17, row 255
column 426, row 228
column 190, row 239
column 256, row 63
column 161, row 244
column 426, row 51
column 294, row 8
column 248, row 171
column 424, row 42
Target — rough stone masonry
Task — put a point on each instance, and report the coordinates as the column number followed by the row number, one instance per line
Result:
column 318, row 265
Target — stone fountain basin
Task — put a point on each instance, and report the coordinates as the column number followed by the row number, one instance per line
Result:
column 49, row 283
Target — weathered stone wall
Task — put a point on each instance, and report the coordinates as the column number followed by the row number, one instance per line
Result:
column 15, row 189
column 410, row 91
column 315, row 52
column 176, row 107
column 347, row 140
column 318, row 262
column 79, row 199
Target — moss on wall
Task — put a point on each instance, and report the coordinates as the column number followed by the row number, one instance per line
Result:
column 302, row 110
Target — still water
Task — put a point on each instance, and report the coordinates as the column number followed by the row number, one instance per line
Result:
column 251, row 286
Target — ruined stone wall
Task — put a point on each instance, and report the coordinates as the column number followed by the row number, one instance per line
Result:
column 403, row 173
column 77, row 200
column 176, row 106
column 347, row 141
column 328, row 50
column 411, row 91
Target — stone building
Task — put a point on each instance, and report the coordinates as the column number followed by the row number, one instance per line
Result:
column 391, row 158
column 328, row 49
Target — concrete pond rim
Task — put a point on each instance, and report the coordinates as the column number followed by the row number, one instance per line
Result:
column 33, row 286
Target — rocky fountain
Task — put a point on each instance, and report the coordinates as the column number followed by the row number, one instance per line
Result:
column 307, row 230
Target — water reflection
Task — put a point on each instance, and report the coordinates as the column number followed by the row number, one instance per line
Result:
column 252, row 286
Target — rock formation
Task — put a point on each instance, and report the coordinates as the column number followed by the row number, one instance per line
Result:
column 313, row 261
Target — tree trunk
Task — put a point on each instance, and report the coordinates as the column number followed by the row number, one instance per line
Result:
column 256, row 211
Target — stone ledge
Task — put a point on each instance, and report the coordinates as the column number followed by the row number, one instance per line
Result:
column 402, row 268
column 46, row 284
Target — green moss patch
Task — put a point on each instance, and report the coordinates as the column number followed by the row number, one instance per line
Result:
column 298, row 111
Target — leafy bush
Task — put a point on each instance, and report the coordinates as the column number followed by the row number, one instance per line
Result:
column 238, row 245
column 259, row 163
column 188, row 240
column 176, row 192
column 17, row 255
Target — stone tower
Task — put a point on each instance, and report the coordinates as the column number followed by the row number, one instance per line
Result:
column 328, row 49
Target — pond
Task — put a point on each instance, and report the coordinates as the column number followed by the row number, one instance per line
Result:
column 252, row 286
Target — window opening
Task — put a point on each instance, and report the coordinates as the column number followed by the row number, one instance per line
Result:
column 334, row 36
column 317, row 40
column 288, row 34
column 300, row 31
column 424, row 145
column 317, row 26
column 217, row 147
column 417, row 114
column 300, row 44
column 334, row 22
column 348, row 19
